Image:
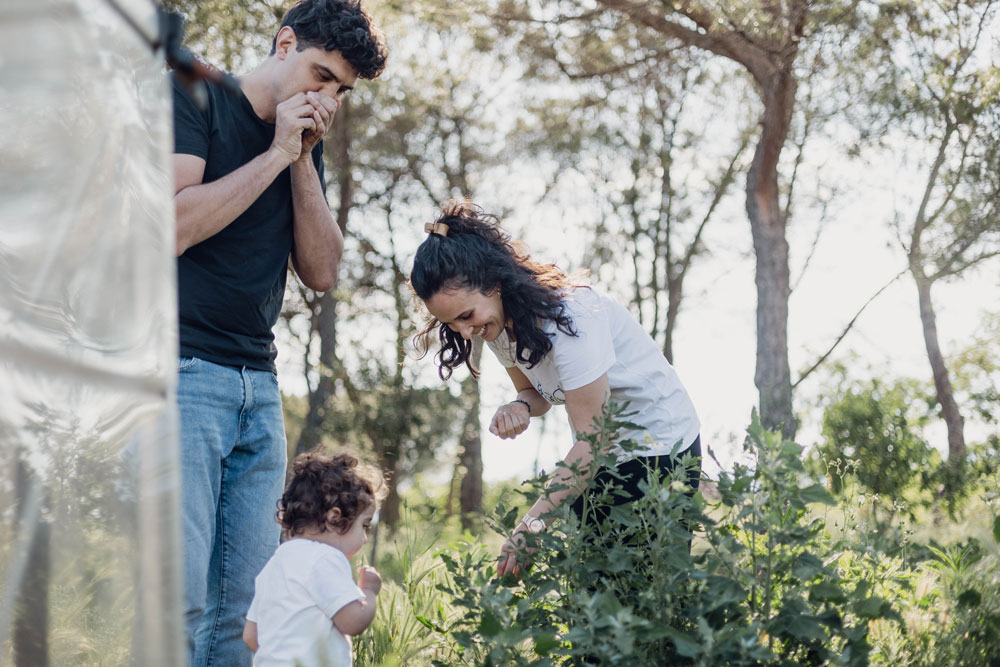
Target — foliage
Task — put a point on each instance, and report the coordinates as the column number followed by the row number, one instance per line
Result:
column 409, row 597
column 228, row 31
column 977, row 372
column 777, row 575
column 868, row 431
column 763, row 585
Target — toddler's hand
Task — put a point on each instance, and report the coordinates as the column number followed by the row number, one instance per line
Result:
column 369, row 579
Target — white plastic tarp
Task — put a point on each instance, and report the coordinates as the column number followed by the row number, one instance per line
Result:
column 89, row 527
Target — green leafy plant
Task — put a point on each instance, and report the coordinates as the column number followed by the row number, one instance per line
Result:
column 763, row 583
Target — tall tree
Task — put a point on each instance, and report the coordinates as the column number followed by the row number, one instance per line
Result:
column 765, row 39
column 669, row 199
column 231, row 34
column 322, row 307
column 941, row 93
column 615, row 108
column 424, row 134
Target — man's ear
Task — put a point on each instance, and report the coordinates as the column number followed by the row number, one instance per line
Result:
column 284, row 42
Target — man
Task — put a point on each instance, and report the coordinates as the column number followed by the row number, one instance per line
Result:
column 249, row 194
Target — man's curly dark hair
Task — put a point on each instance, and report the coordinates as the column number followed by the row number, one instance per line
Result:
column 338, row 25
column 321, row 482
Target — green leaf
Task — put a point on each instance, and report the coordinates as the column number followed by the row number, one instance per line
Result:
column 869, row 607
column 806, row 567
column 462, row 638
column 826, row 591
column 817, row 494
column 805, row 627
column 996, row 528
column 684, row 646
column 725, row 591
column 489, row 626
column 970, row 598
column 545, row 642
column 509, row 520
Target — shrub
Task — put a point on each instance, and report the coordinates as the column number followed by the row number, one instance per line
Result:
column 762, row 585
column 869, row 427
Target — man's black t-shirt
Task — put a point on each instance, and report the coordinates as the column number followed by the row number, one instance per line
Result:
column 231, row 285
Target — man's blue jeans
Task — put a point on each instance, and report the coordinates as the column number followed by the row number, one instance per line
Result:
column 233, row 468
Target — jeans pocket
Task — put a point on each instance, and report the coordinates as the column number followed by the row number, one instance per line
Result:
column 184, row 363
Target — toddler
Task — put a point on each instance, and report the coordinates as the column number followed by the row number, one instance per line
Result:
column 306, row 604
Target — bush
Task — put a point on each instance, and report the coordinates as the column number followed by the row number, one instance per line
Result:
column 762, row 585
column 867, row 431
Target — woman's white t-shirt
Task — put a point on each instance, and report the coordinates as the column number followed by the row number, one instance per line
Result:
column 297, row 593
column 610, row 340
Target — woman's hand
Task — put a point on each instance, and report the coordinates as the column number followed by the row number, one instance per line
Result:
column 512, row 553
column 510, row 420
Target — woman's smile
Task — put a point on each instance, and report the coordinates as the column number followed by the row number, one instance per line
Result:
column 462, row 310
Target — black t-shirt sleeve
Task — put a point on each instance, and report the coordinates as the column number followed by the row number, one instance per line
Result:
column 191, row 127
column 317, row 156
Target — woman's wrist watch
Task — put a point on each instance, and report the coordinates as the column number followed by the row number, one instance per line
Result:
column 534, row 524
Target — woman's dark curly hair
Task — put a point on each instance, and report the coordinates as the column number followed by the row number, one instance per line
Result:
column 319, row 483
column 478, row 255
column 338, row 25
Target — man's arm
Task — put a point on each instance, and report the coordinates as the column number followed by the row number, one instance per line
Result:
column 319, row 244
column 205, row 209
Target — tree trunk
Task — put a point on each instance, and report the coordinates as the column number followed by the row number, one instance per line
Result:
column 320, row 397
column 767, row 223
column 30, row 631
column 338, row 154
column 675, row 292
column 942, row 383
column 471, row 443
column 389, row 511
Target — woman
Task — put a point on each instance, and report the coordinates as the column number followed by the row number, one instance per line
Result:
column 561, row 343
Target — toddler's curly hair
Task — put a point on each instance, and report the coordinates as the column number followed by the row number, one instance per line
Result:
column 320, row 482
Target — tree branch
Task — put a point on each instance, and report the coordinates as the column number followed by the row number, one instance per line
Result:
column 727, row 44
column 846, row 330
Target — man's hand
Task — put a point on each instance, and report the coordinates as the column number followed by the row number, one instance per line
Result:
column 300, row 122
column 369, row 579
column 510, row 420
column 324, row 108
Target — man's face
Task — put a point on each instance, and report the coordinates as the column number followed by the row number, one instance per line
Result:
column 310, row 70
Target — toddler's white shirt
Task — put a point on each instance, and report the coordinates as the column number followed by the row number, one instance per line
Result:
column 296, row 596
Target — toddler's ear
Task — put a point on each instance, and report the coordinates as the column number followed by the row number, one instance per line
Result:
column 333, row 516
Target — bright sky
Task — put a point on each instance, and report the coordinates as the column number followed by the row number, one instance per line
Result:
column 714, row 345
column 715, row 340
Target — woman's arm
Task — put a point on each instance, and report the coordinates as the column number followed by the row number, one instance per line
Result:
column 584, row 406
column 512, row 419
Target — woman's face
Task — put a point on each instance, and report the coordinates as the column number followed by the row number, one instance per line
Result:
column 469, row 312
